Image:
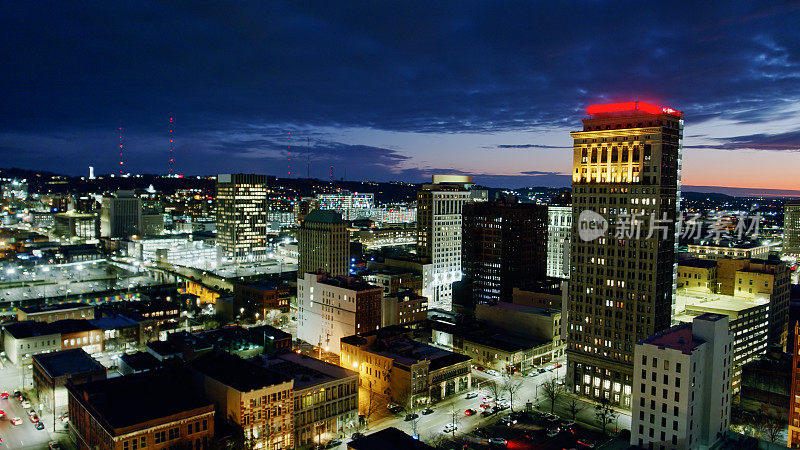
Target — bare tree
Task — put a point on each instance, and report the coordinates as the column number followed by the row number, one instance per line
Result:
column 438, row 441
column 512, row 387
column 605, row 413
column 455, row 417
column 574, row 406
column 493, row 389
column 552, row 391
column 773, row 428
column 370, row 406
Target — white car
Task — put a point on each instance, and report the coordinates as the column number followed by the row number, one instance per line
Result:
column 471, row 395
column 493, row 373
column 449, row 428
column 26, row 404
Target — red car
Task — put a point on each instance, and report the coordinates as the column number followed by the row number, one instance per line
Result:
column 557, row 365
column 4, row 396
column 470, row 412
column 34, row 418
column 2, row 413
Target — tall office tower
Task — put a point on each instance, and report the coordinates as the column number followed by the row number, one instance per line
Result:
column 682, row 379
column 504, row 244
column 625, row 200
column 794, row 399
column 323, row 244
column 242, row 216
column 121, row 216
column 791, row 229
column 559, row 230
column 439, row 207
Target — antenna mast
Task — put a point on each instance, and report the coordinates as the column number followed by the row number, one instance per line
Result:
column 288, row 154
column 171, row 148
column 308, row 158
column 120, row 147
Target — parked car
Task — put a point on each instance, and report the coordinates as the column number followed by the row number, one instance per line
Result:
column 357, row 435
column 568, row 423
column 412, row 416
column 334, row 443
column 498, row 442
column 541, row 370
column 426, row 411
column 493, row 373
column 480, row 433
column 34, row 418
column 552, row 432
column 2, row 413
column 16, row 421
column 26, row 404
column 487, row 399
column 4, row 395
column 449, row 428
column 471, row 395
column 39, row 426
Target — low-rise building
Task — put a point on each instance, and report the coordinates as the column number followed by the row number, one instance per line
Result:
column 729, row 250
column 682, row 385
column 403, row 308
column 394, row 279
column 766, row 385
column 52, row 372
column 270, row 338
column 130, row 363
column 21, row 340
column 330, row 308
column 260, row 298
column 392, row 364
column 325, row 397
column 250, row 396
column 526, row 321
column 698, row 276
column 156, row 409
column 52, row 313
column 388, row 439
column 79, row 333
column 120, row 333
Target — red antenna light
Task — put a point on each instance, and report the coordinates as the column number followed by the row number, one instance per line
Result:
column 120, row 148
column 288, row 154
column 331, row 175
column 171, row 148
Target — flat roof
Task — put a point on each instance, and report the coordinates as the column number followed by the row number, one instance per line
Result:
column 112, row 322
column 236, row 372
column 72, row 326
column 388, row 439
column 56, row 307
column 67, row 362
column 724, row 306
column 131, row 400
column 524, row 309
column 304, row 370
column 698, row 263
column 678, row 337
column 140, row 361
column 29, row 328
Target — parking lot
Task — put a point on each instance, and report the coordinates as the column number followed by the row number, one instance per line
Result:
column 531, row 432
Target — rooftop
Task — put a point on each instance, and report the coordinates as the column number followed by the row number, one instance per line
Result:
column 729, row 306
column 29, row 328
column 678, row 337
column 388, row 439
column 324, row 216
column 146, row 397
column 67, row 362
column 140, row 361
column 699, row 263
column 56, row 307
column 113, row 322
column 522, row 309
column 304, row 370
column 236, row 372
column 67, row 326
column 393, row 342
column 405, row 295
column 351, row 283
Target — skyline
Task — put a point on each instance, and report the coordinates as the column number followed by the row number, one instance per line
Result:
column 394, row 93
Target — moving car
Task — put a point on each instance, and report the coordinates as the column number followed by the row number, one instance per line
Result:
column 39, row 426
column 498, row 442
column 334, row 443
column 471, row 395
column 449, row 428
column 16, row 421
column 4, row 395
column 34, row 418
column 470, row 412
column 493, row 373
column 426, row 411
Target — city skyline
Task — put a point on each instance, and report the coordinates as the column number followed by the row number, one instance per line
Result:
column 394, row 94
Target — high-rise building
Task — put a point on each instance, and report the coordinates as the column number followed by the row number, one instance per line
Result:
column 242, row 216
column 323, row 244
column 351, row 205
column 121, row 216
column 625, row 201
column 504, row 244
column 791, row 229
column 559, row 230
column 682, row 385
column 794, row 399
column 330, row 308
column 439, row 206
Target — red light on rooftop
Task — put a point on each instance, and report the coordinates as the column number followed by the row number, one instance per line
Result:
column 631, row 106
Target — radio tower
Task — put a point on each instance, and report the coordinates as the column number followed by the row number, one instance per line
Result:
column 308, row 158
column 331, row 175
column 171, row 148
column 288, row 154
column 120, row 148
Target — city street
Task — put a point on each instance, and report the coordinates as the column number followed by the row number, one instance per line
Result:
column 432, row 426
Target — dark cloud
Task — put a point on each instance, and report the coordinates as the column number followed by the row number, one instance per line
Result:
column 524, row 146
column 74, row 70
column 789, row 141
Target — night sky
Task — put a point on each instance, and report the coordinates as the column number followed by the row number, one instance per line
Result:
column 394, row 90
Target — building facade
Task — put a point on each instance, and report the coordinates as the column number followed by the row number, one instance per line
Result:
column 323, row 244
column 439, row 207
column 504, row 244
column 403, row 308
column 121, row 216
column 682, row 379
column 559, row 231
column 330, row 308
column 791, row 229
column 242, row 208
column 625, row 202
